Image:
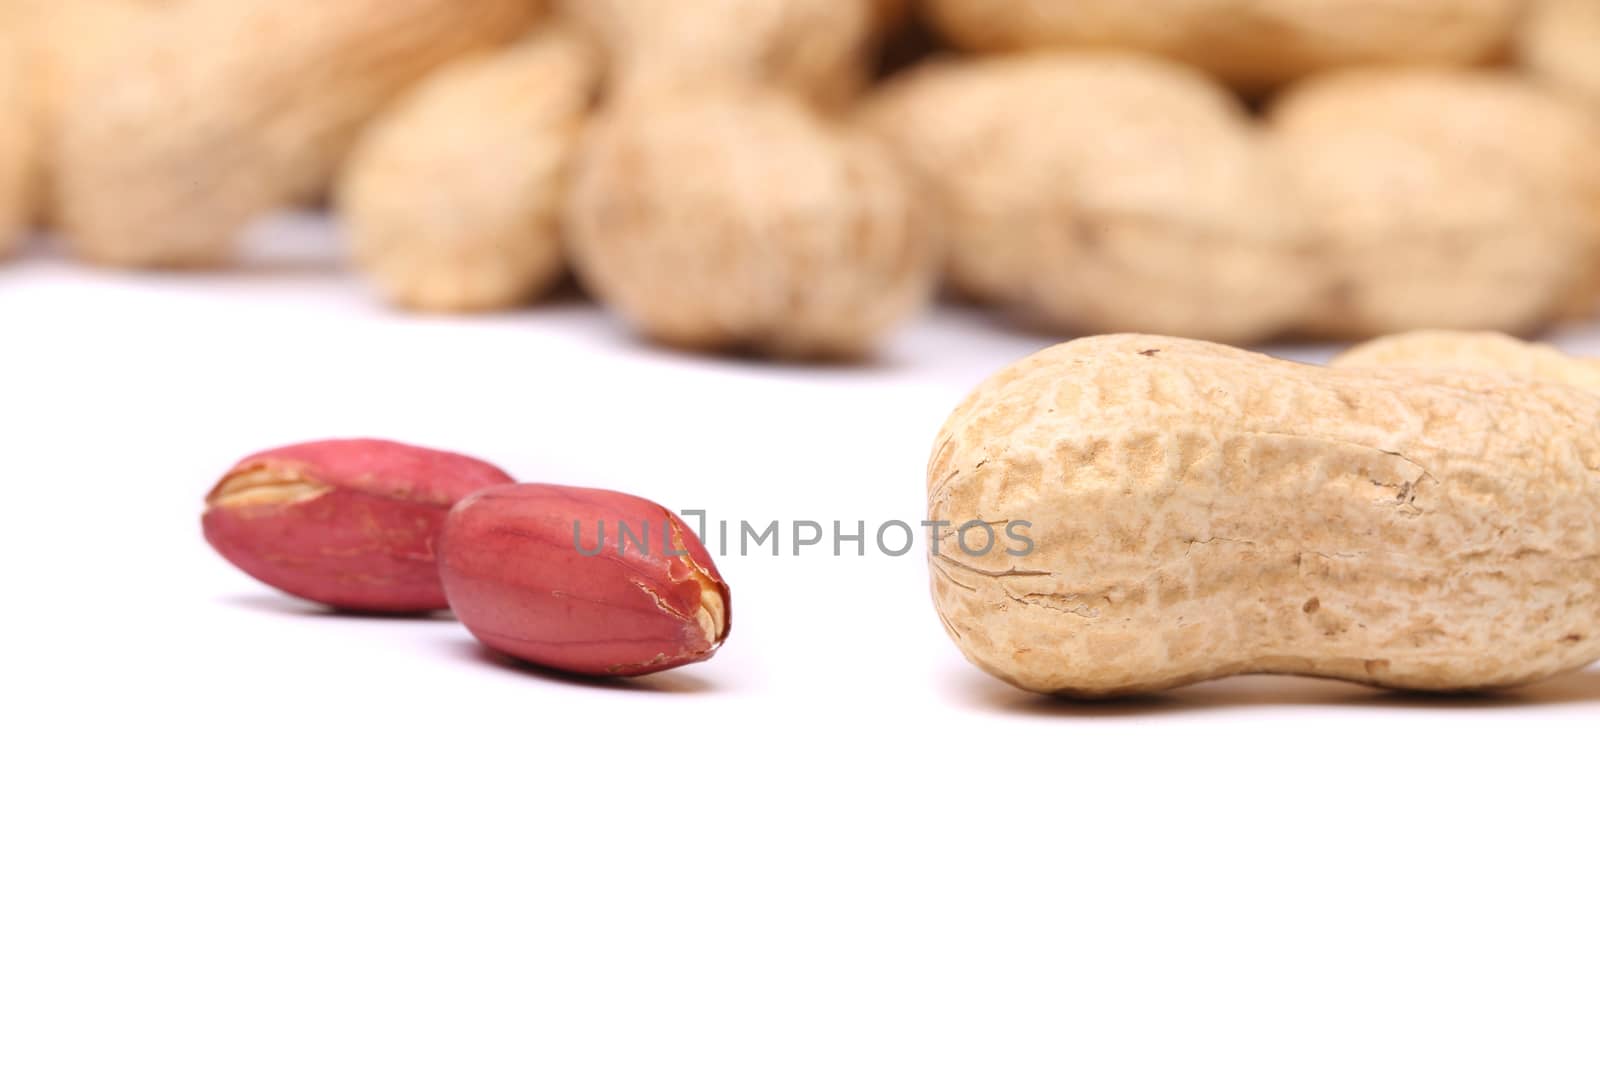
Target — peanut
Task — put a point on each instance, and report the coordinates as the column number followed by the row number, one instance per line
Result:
column 17, row 148
column 1491, row 353
column 1253, row 44
column 1460, row 200
column 1199, row 511
column 1559, row 43
column 194, row 119
column 1103, row 192
column 816, row 48
column 64, row 42
column 714, row 220
column 452, row 199
column 582, row 580
column 349, row 523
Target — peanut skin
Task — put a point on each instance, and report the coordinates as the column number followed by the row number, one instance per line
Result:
column 1199, row 511
column 352, row 524
column 194, row 119
column 549, row 574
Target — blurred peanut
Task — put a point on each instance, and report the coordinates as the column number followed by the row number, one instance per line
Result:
column 1491, row 353
column 18, row 150
column 1559, row 43
column 453, row 198
column 1444, row 199
column 817, row 48
column 1253, row 44
column 717, row 220
column 1100, row 192
column 192, row 120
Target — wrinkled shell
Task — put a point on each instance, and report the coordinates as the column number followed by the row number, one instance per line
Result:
column 453, row 199
column 583, row 580
column 1103, row 192
column 1492, row 353
column 816, row 48
column 17, row 143
column 1455, row 200
column 353, row 524
column 712, row 221
column 191, row 121
column 1559, row 43
column 1251, row 43
column 1199, row 511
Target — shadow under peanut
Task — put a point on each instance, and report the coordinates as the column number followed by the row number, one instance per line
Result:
column 674, row 682
column 979, row 692
column 278, row 604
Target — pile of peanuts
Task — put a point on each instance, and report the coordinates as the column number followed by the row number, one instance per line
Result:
column 793, row 178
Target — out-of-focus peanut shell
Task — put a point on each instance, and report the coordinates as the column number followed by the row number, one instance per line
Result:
column 1492, row 353
column 1253, row 44
column 716, row 220
column 194, row 119
column 453, row 198
column 1559, row 43
column 1461, row 200
column 1094, row 192
column 818, row 49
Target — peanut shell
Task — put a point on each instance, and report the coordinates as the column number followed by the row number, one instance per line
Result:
column 1199, row 511
column 1559, row 43
column 1096, row 192
column 714, row 220
column 18, row 151
column 453, row 198
column 1491, row 353
column 1252, row 44
column 1460, row 200
column 194, row 119
column 817, row 49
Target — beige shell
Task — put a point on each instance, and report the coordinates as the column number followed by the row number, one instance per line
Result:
column 18, row 151
column 64, row 41
column 1250, row 43
column 714, row 220
column 178, row 130
column 1444, row 199
column 1559, row 42
column 1199, row 511
column 453, row 198
column 1098, row 192
column 817, row 48
column 1491, row 353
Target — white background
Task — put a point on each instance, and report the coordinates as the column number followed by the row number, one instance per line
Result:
column 239, row 830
